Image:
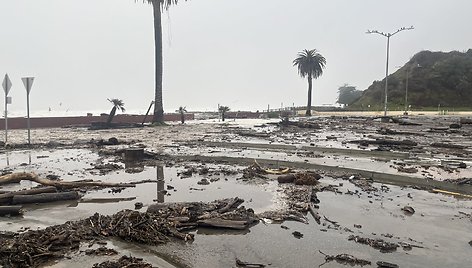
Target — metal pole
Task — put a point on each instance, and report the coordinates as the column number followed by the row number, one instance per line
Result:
column 386, row 76
column 145, row 116
column 28, row 112
column 388, row 35
column 6, row 121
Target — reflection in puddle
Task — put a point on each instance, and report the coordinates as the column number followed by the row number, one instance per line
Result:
column 160, row 184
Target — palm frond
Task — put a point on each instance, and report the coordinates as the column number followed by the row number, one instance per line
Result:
column 119, row 104
column 165, row 4
column 224, row 109
column 310, row 63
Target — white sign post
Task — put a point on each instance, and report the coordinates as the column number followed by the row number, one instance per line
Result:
column 6, row 87
column 28, row 82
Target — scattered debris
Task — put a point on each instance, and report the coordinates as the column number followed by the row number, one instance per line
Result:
column 107, row 168
column 366, row 185
column 384, row 264
column 407, row 169
column 301, row 124
column 256, row 171
column 408, row 210
column 162, row 221
column 241, row 263
column 203, row 182
column 124, row 261
column 378, row 243
column 344, row 259
column 297, row 234
column 300, row 178
column 138, row 205
column 461, row 181
column 101, row 251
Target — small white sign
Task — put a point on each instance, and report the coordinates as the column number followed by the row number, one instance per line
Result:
column 6, row 84
column 28, row 82
column 8, row 100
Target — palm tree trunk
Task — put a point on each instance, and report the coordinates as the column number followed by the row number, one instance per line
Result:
column 182, row 118
column 111, row 115
column 308, row 107
column 158, row 106
column 223, row 116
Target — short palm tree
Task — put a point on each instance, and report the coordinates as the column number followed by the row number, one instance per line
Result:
column 223, row 110
column 310, row 64
column 182, row 111
column 117, row 104
column 158, row 6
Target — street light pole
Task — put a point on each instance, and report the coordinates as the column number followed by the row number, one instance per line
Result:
column 388, row 35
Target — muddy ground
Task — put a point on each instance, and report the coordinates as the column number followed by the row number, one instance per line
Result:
column 397, row 192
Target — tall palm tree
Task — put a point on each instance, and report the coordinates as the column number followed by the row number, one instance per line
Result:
column 158, row 6
column 182, row 111
column 117, row 104
column 223, row 110
column 310, row 64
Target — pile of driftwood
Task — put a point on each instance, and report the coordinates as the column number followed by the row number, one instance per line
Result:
column 162, row 222
column 219, row 214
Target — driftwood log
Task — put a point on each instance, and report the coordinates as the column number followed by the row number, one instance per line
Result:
column 221, row 223
column 107, row 200
column 44, row 198
column 10, row 210
column 17, row 177
column 6, row 197
column 386, row 142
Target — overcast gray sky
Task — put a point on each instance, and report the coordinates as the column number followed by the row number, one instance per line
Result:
column 235, row 53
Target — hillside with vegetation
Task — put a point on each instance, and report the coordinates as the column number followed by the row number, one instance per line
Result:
column 434, row 79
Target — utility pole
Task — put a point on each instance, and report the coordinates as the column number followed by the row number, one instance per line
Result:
column 388, row 35
column 408, row 72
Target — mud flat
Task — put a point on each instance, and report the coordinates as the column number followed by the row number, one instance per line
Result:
column 368, row 192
